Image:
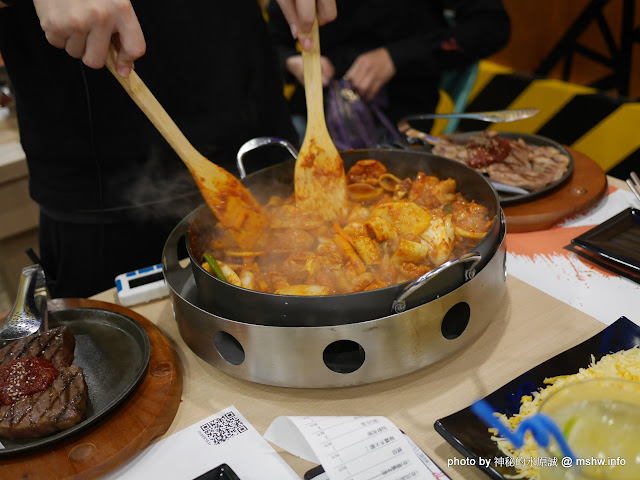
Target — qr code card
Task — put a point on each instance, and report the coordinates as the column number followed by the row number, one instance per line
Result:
column 225, row 437
column 222, row 428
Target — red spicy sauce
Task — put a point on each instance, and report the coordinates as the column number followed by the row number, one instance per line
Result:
column 487, row 151
column 25, row 376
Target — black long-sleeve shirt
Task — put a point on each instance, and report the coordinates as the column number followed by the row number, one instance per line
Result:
column 89, row 147
column 417, row 35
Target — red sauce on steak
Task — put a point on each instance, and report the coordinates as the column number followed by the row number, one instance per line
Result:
column 25, row 376
column 490, row 150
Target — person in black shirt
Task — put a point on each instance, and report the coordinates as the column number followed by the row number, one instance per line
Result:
column 109, row 187
column 396, row 48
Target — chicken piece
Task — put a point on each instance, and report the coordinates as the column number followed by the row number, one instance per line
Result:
column 384, row 233
column 278, row 281
column 432, row 192
column 326, row 248
column 410, row 252
column 444, row 192
column 291, row 239
column 315, row 262
column 361, row 282
column 411, row 270
column 360, row 213
column 421, row 187
column 470, row 219
column 405, row 217
column 294, row 267
column 440, row 240
column 329, row 273
column 388, row 272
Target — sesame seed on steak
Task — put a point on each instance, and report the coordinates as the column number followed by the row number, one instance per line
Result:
column 59, row 407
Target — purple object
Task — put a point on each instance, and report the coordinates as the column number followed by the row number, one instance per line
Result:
column 351, row 121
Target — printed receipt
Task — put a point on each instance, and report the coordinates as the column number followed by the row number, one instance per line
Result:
column 354, row 448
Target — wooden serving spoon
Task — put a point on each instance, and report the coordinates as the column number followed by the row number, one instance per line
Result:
column 320, row 182
column 229, row 200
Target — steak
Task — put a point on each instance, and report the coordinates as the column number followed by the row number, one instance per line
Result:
column 531, row 167
column 62, row 404
column 59, row 407
column 56, row 345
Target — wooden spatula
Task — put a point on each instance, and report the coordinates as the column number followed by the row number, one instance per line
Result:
column 320, row 183
column 229, row 200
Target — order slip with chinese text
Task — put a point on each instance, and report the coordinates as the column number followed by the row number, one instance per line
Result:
column 353, row 448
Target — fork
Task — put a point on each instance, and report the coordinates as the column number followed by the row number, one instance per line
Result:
column 634, row 184
column 510, row 115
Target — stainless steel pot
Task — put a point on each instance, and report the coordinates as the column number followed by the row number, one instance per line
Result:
column 263, row 339
column 229, row 301
column 338, row 355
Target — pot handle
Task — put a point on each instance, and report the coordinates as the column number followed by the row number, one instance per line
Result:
column 399, row 304
column 175, row 273
column 261, row 142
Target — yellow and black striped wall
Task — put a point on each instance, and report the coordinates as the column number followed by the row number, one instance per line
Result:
column 603, row 127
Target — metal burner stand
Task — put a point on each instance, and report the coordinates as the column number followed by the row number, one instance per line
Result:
column 342, row 355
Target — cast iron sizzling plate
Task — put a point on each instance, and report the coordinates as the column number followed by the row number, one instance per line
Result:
column 471, row 437
column 511, row 198
column 113, row 351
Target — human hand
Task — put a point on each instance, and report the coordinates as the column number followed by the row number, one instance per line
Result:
column 294, row 65
column 85, row 29
column 370, row 72
column 301, row 14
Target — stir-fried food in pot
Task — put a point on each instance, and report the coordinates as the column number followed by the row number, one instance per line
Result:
column 512, row 162
column 395, row 230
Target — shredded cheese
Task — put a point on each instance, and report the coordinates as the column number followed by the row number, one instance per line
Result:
column 625, row 364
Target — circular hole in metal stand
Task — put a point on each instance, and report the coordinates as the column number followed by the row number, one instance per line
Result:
column 229, row 348
column 455, row 321
column 343, row 356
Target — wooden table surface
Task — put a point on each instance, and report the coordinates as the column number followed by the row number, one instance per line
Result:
column 528, row 329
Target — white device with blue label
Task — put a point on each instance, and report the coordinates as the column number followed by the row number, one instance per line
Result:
column 141, row 286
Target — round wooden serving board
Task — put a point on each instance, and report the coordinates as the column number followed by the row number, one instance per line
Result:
column 586, row 186
column 145, row 415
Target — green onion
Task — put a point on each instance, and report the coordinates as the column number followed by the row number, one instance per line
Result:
column 214, row 266
column 448, row 208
